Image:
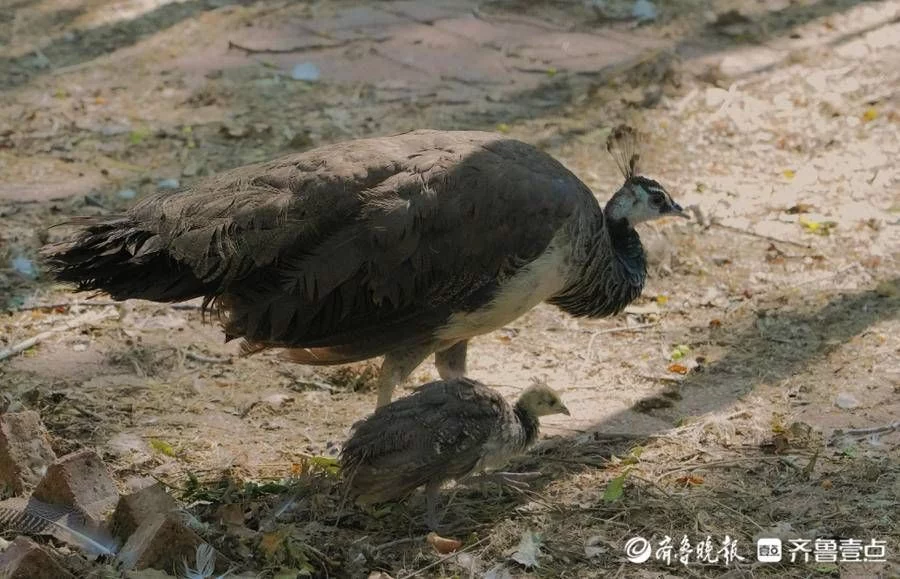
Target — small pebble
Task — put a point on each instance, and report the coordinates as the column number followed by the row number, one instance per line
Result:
column 644, row 11
column 305, row 71
column 24, row 267
column 846, row 401
column 127, row 194
column 168, row 184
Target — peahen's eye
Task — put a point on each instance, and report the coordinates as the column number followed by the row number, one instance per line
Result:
column 657, row 199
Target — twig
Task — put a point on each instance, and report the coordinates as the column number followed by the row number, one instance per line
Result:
column 98, row 304
column 639, row 327
column 636, row 328
column 190, row 355
column 445, row 558
column 400, row 542
column 320, row 46
column 862, row 432
column 85, row 412
column 668, row 379
column 759, row 235
column 37, row 339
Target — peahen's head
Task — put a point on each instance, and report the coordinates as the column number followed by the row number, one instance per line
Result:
column 639, row 199
column 541, row 400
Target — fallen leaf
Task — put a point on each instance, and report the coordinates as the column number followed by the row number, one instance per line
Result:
column 887, row 289
column 788, row 173
column 503, row 128
column 594, row 546
column 679, row 352
column 870, row 115
column 690, row 480
column 162, row 446
column 136, row 136
column 827, row 484
column 678, row 368
column 715, row 323
column 817, row 227
column 271, row 542
column 662, row 299
column 529, row 550
column 231, row 514
column 443, row 545
column 615, row 488
column 799, row 208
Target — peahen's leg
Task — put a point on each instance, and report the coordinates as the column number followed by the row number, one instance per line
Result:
column 432, row 495
column 451, row 363
column 396, row 368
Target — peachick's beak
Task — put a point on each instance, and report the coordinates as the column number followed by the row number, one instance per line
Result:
column 565, row 410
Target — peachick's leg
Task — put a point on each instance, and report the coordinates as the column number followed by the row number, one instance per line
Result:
column 515, row 480
column 396, row 368
column 451, row 363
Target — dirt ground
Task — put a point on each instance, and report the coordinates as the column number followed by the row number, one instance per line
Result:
column 718, row 404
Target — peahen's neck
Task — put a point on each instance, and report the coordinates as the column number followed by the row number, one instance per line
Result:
column 612, row 269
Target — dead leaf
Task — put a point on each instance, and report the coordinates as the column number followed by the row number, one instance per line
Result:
column 690, row 480
column 528, row 550
column 594, row 546
column 443, row 545
column 870, row 115
column 799, row 208
column 887, row 289
column 231, row 514
column 715, row 323
column 271, row 543
column 678, row 368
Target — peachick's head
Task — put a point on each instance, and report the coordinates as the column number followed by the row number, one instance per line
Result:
column 541, row 400
column 639, row 199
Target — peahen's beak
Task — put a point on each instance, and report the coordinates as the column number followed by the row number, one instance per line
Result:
column 676, row 210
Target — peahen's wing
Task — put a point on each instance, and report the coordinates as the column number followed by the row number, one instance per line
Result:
column 362, row 243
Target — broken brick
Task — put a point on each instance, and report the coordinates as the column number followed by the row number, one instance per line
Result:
column 25, row 559
column 136, row 508
column 161, row 542
column 79, row 480
column 25, row 451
